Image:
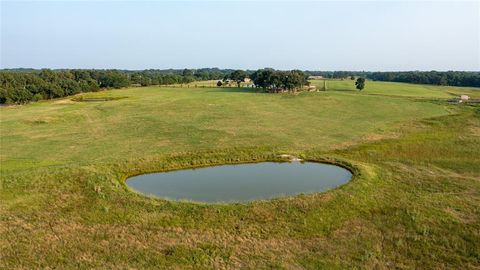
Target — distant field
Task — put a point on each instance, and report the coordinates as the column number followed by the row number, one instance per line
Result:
column 170, row 120
column 413, row 202
column 400, row 89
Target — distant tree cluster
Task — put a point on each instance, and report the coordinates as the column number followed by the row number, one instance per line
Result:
column 238, row 76
column 25, row 85
column 174, row 76
column 337, row 74
column 22, row 87
column 275, row 80
column 452, row 78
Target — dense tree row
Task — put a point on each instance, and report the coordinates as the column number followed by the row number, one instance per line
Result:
column 276, row 80
column 337, row 74
column 452, row 78
column 21, row 87
column 24, row 85
column 173, row 76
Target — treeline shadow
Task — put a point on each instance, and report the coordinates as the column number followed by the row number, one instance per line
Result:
column 237, row 90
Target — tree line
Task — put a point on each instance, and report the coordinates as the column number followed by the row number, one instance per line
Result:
column 19, row 86
column 25, row 85
column 269, row 79
column 451, row 78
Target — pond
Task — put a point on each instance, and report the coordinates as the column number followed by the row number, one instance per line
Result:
column 241, row 182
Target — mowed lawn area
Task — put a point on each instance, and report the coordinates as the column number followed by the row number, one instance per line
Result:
column 413, row 202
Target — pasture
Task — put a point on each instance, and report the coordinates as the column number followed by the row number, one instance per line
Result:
column 413, row 202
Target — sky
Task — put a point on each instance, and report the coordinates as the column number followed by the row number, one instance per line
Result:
column 311, row 35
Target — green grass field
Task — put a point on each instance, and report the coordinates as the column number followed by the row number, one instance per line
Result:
column 400, row 89
column 413, row 202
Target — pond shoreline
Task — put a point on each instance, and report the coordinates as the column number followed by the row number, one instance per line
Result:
column 284, row 158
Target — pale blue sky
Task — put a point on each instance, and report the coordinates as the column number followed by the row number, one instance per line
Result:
column 311, row 35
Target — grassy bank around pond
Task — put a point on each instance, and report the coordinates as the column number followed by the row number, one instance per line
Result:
column 412, row 204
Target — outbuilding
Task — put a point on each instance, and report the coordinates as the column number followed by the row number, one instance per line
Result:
column 464, row 98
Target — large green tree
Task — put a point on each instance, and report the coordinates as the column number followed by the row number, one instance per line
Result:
column 275, row 80
column 360, row 83
column 263, row 78
column 238, row 76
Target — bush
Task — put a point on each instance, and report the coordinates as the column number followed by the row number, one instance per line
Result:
column 21, row 95
column 37, row 97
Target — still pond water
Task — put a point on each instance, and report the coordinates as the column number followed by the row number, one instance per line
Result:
column 241, row 182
